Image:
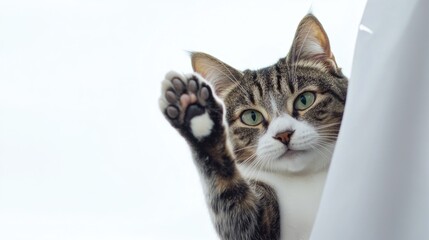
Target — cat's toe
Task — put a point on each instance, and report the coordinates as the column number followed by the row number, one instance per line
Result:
column 172, row 112
column 178, row 85
column 198, row 89
column 169, row 102
column 192, row 85
column 204, row 94
column 171, row 97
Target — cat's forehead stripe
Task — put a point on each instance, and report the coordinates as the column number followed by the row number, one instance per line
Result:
column 274, row 105
column 258, row 84
column 278, row 78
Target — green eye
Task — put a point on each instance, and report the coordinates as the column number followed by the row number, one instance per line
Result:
column 304, row 101
column 251, row 117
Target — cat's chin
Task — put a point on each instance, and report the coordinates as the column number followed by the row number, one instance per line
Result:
column 300, row 162
column 292, row 154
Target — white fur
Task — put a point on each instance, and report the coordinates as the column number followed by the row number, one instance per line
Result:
column 297, row 177
column 278, row 157
column 201, row 126
column 298, row 198
column 312, row 47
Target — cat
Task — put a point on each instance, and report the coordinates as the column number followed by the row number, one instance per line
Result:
column 261, row 140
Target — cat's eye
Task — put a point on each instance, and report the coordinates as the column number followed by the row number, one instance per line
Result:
column 251, row 117
column 304, row 100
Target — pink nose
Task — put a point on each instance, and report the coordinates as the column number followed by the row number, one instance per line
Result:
column 284, row 137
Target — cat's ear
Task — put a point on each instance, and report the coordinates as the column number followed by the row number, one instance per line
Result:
column 222, row 76
column 311, row 43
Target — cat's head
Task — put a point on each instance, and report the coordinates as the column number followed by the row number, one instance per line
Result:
column 285, row 117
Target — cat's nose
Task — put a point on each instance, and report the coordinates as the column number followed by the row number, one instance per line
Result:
column 284, row 137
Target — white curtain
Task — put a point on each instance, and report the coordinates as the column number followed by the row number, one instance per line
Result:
column 378, row 185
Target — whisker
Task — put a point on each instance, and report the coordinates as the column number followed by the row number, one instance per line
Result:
column 328, row 131
column 247, row 147
column 252, row 164
column 251, row 156
column 327, row 125
column 328, row 135
column 323, row 146
column 328, row 140
column 323, row 151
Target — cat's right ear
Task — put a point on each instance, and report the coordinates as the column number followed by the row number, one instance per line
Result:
column 222, row 76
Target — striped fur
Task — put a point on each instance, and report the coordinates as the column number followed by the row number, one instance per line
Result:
column 261, row 181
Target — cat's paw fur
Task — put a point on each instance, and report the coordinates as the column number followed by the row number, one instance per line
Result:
column 188, row 103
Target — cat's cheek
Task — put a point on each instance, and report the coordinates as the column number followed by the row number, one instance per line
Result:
column 201, row 126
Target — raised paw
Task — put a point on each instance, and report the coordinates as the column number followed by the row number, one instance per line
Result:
column 189, row 105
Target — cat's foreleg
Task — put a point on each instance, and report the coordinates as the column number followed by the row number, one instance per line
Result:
column 239, row 209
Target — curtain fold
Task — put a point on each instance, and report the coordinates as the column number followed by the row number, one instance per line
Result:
column 378, row 184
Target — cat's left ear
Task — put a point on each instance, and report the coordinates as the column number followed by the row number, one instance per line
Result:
column 311, row 43
column 222, row 76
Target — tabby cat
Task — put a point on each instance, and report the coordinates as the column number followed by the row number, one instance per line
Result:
column 263, row 156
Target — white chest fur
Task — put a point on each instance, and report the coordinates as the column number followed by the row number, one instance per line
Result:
column 298, row 197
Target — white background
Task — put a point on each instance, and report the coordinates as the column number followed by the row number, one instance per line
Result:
column 84, row 150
